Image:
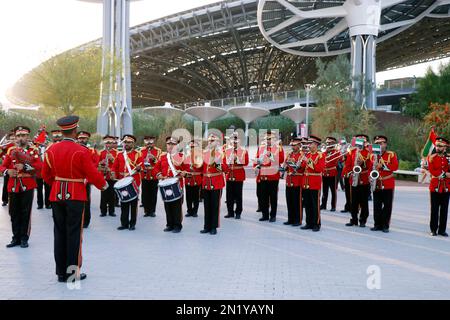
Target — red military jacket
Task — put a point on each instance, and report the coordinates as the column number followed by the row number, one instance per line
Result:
column 270, row 160
column 366, row 165
column 294, row 177
column 331, row 161
column 120, row 169
column 95, row 156
column 106, row 166
column 389, row 164
column 314, row 164
column 163, row 169
column 214, row 173
column 66, row 167
column 151, row 158
column 237, row 160
column 347, row 164
column 25, row 180
column 193, row 172
column 438, row 165
column 4, row 150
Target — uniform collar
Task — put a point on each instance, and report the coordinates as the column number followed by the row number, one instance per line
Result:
column 69, row 139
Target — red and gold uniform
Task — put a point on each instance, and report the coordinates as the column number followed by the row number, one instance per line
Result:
column 67, row 165
column 269, row 158
column 438, row 165
column 214, row 168
column 237, row 159
column 120, row 169
column 150, row 156
column 22, row 163
column 361, row 191
column 193, row 167
column 313, row 166
column 3, row 150
column 383, row 194
column 347, row 168
column 329, row 179
column 164, row 169
column 106, row 161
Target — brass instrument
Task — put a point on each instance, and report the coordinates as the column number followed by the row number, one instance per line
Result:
column 356, row 169
column 374, row 174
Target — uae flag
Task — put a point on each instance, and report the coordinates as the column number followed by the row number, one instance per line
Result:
column 429, row 145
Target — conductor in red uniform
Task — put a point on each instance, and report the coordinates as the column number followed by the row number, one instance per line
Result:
column 21, row 162
column 66, row 167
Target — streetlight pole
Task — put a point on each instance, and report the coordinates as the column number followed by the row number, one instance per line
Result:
column 307, row 89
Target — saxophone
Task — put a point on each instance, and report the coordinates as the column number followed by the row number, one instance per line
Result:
column 356, row 169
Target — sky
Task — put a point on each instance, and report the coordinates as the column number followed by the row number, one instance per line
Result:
column 32, row 31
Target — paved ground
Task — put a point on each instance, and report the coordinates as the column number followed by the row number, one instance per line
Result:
column 246, row 260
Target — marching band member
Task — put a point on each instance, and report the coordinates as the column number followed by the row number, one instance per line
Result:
column 115, row 145
column 150, row 156
column 237, row 159
column 105, row 166
column 438, row 165
column 360, row 189
column 21, row 161
column 83, row 139
column 345, row 175
column 313, row 165
column 128, row 158
column 214, row 167
column 267, row 164
column 193, row 166
column 10, row 142
column 66, row 166
column 383, row 194
column 329, row 175
column 170, row 165
column 293, row 182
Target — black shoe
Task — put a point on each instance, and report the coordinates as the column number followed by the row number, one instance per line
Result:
column 306, row 227
column 4, row 204
column 287, row 223
column 40, row 207
column 344, row 211
column 213, row 231
column 188, row 215
column 103, row 215
column 204, row 231
column 132, row 228
column 273, row 219
column 176, row 230
column 85, row 227
column 194, row 215
column 141, row 205
column 333, row 210
column 48, row 207
column 444, row 234
column 147, row 215
column 351, row 224
column 385, row 230
column 263, row 219
column 62, row 279
column 168, row 229
column 323, row 208
column 13, row 244
column 24, row 244
column 112, row 214
column 375, row 229
column 152, row 215
column 362, row 225
column 229, row 216
column 237, row 217
column 316, row 228
column 258, row 210
column 295, row 224
column 433, row 233
column 122, row 228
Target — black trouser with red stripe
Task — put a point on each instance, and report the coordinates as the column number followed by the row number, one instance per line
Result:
column 382, row 207
column 234, row 196
column 5, row 188
column 348, row 195
column 312, row 209
column 149, row 195
column 128, row 214
column 439, row 211
column 87, row 208
column 268, row 197
column 360, row 199
column 43, row 193
column 192, row 199
column 174, row 213
column 329, row 183
column 293, row 201
column 211, row 203
column 68, row 232
column 107, row 199
column 20, row 205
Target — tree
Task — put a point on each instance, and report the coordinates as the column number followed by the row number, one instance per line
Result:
column 439, row 117
column 65, row 84
column 432, row 88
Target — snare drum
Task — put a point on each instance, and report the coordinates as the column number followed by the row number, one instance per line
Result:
column 170, row 189
column 127, row 189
